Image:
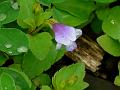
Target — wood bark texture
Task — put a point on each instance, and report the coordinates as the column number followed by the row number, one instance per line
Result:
column 88, row 52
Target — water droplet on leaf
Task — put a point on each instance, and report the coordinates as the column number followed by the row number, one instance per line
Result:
column 15, row 6
column 6, row 88
column 22, row 49
column 8, row 45
column 2, row 16
column 113, row 21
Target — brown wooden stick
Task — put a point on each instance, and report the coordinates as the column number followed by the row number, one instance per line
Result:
column 88, row 51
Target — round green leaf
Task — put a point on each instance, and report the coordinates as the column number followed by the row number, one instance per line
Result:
column 13, row 41
column 110, row 45
column 19, row 77
column 77, row 8
column 7, row 13
column 7, row 82
column 111, row 24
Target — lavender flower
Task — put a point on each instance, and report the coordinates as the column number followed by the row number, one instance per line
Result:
column 66, row 35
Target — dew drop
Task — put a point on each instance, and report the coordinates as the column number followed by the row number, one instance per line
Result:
column 113, row 21
column 2, row 16
column 22, row 49
column 8, row 45
column 15, row 6
column 6, row 88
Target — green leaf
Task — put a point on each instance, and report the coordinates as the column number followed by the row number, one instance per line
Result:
column 110, row 45
column 3, row 59
column 105, row 1
column 45, row 2
column 77, row 8
column 48, row 2
column 13, row 41
column 7, row 82
column 2, row 0
column 26, row 15
column 60, row 53
column 70, row 78
column 45, row 88
column 17, row 87
column 66, row 18
column 96, row 25
column 42, row 79
column 111, row 24
column 16, row 66
column 19, row 77
column 40, row 44
column 7, row 13
column 117, row 80
column 103, row 13
column 36, row 66
column 119, row 67
column 18, row 59
column 40, row 18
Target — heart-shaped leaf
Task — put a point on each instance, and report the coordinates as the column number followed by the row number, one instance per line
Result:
column 40, row 44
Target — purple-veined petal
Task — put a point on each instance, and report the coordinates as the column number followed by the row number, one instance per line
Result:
column 60, row 38
column 58, row 46
column 78, row 32
column 64, row 34
column 72, row 46
column 71, row 33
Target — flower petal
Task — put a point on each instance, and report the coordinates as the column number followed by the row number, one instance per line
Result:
column 70, row 33
column 64, row 34
column 78, row 32
column 71, row 47
column 58, row 46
